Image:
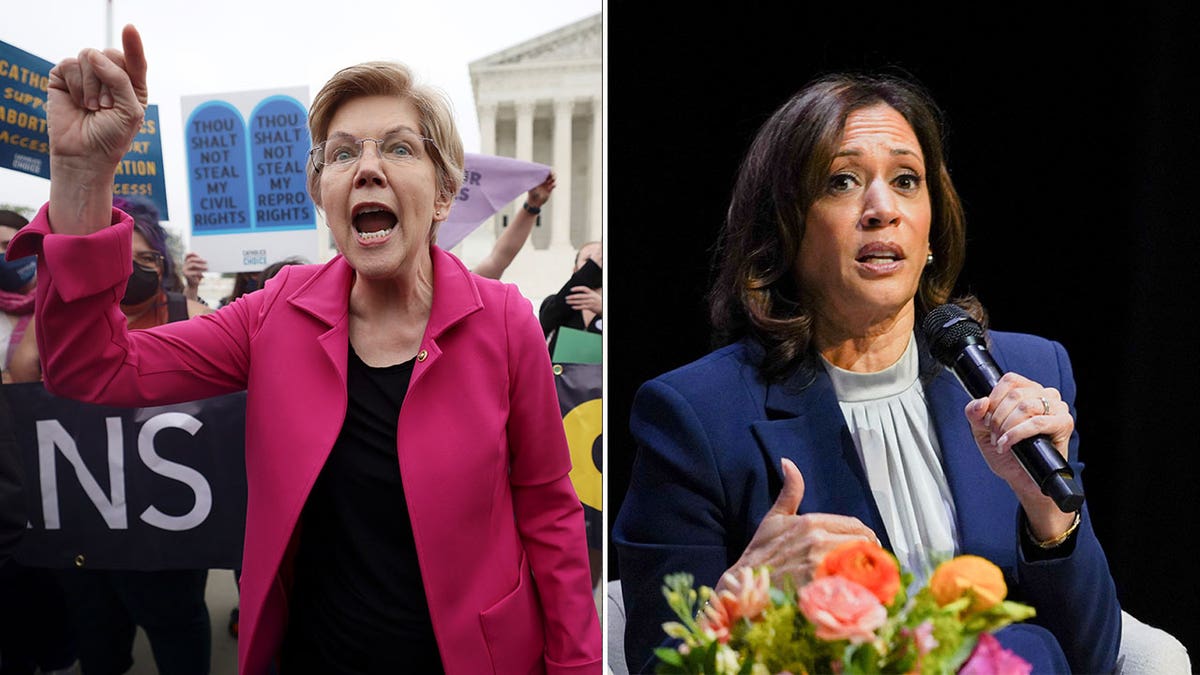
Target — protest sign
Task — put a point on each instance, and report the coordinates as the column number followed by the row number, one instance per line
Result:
column 246, row 154
column 489, row 184
column 24, row 141
column 580, row 392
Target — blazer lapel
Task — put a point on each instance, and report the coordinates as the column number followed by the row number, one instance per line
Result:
column 455, row 297
column 806, row 425
column 978, row 494
column 326, row 297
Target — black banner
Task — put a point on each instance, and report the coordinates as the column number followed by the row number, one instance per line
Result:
column 130, row 488
column 165, row 487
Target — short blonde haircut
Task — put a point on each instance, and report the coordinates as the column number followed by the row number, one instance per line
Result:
column 387, row 78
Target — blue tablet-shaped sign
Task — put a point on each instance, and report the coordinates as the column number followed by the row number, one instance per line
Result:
column 140, row 171
column 279, row 144
column 24, row 141
column 217, row 169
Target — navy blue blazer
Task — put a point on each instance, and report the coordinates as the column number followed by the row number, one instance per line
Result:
column 710, row 439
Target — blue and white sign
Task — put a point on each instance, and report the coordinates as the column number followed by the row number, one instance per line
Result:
column 246, row 155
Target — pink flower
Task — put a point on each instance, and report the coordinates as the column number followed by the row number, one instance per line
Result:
column 989, row 658
column 842, row 610
column 925, row 640
column 745, row 595
column 715, row 621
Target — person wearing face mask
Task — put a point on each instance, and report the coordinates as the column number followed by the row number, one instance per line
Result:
column 579, row 304
column 148, row 300
column 17, row 280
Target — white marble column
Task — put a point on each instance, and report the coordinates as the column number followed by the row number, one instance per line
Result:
column 596, row 215
column 487, row 128
column 560, row 226
column 525, row 131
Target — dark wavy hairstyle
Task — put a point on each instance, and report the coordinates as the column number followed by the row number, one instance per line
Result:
column 145, row 223
column 757, row 291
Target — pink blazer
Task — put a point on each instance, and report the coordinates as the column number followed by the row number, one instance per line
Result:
column 498, row 527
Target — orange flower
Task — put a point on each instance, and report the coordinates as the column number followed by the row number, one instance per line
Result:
column 865, row 563
column 968, row 573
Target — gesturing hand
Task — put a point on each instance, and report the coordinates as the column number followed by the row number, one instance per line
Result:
column 793, row 545
column 194, row 268
column 540, row 193
column 95, row 105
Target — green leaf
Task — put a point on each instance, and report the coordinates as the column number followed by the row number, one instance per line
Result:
column 669, row 656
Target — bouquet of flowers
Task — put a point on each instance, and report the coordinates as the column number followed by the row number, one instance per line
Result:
column 855, row 616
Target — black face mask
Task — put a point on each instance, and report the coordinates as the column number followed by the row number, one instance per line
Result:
column 143, row 283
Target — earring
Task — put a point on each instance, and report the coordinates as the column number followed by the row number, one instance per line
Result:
column 438, row 212
column 929, row 259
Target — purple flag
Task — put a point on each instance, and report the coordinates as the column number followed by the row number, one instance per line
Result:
column 490, row 183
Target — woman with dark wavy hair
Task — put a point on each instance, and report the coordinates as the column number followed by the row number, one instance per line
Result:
column 823, row 418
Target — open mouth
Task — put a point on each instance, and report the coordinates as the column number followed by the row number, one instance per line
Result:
column 879, row 253
column 373, row 221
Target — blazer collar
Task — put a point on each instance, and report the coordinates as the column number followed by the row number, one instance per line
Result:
column 326, row 294
column 805, row 424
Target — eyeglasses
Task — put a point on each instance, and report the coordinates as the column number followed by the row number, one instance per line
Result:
column 148, row 258
column 398, row 147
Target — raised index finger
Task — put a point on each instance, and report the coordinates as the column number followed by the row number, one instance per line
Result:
column 135, row 61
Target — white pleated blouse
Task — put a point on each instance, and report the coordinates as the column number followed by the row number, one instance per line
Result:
column 889, row 420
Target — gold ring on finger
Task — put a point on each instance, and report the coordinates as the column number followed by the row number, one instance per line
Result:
column 1045, row 405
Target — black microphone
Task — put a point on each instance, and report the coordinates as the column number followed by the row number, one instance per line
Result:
column 956, row 341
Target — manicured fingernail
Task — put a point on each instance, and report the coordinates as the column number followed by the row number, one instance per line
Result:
column 106, row 100
column 993, row 438
column 92, row 104
column 987, row 420
column 1002, row 440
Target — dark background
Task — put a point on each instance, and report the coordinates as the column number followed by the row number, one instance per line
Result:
column 1073, row 139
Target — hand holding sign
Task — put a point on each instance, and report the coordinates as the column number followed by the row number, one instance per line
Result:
column 95, row 107
column 540, row 194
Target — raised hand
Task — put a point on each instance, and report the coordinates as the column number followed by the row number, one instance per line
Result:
column 541, row 193
column 793, row 545
column 95, row 105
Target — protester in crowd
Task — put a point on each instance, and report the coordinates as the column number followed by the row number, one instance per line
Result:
column 243, row 283
column 17, row 279
column 147, row 302
column 107, row 606
column 514, row 236
column 579, row 304
column 844, row 231
column 379, row 538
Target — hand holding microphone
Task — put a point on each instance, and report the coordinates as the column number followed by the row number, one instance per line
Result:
column 1015, row 420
